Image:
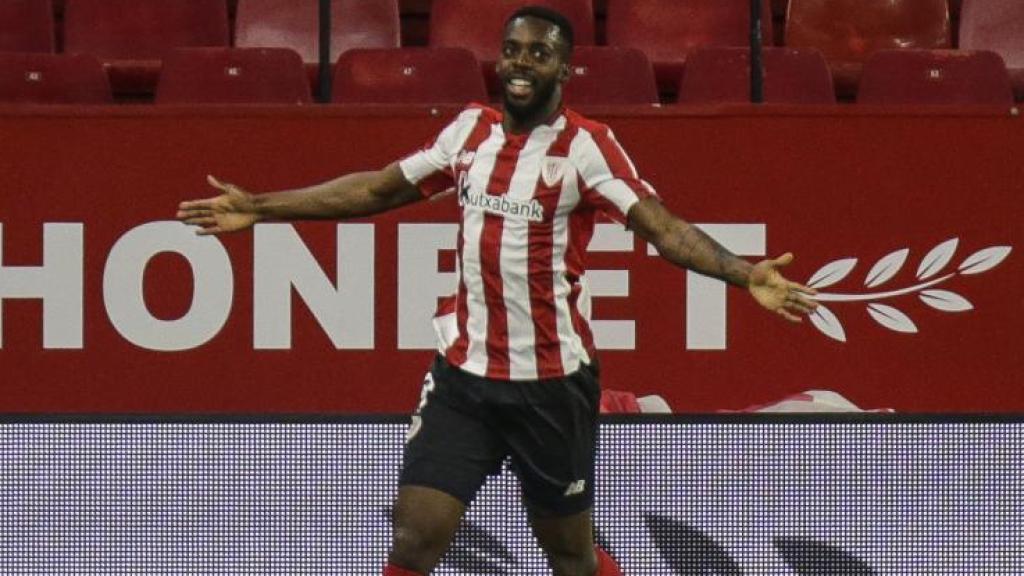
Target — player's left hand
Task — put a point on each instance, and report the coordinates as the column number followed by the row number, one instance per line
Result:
column 774, row 292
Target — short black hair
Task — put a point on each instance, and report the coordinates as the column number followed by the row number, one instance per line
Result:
column 548, row 15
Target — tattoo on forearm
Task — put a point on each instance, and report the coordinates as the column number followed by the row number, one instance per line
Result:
column 703, row 254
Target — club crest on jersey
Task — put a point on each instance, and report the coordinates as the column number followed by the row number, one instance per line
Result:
column 552, row 170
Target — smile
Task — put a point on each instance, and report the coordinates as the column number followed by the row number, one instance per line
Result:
column 519, row 87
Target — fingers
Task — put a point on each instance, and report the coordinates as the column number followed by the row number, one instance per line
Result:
column 209, row 231
column 204, row 212
column 217, row 183
column 789, row 315
column 788, row 299
column 795, row 305
column 783, row 260
column 799, row 307
column 193, row 209
column 205, row 206
column 797, row 298
column 205, row 203
column 198, row 213
column 204, row 221
column 803, row 289
column 190, row 206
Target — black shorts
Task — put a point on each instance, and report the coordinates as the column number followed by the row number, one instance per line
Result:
column 466, row 426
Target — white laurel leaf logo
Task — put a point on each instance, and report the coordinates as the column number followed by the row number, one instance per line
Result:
column 824, row 320
column 946, row 301
column 832, row 272
column 937, row 259
column 983, row 260
column 886, row 268
column 891, row 318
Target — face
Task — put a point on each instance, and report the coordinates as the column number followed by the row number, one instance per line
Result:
column 532, row 68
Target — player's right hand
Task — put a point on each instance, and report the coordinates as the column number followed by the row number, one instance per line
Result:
column 233, row 210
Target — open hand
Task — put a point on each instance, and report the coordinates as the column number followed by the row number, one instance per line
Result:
column 774, row 292
column 233, row 210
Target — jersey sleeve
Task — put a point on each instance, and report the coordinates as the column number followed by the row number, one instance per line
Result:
column 431, row 167
column 610, row 182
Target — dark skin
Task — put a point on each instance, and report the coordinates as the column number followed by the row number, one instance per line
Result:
column 533, row 68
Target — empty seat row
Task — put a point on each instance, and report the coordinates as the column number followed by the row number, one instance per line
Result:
column 600, row 76
column 130, row 36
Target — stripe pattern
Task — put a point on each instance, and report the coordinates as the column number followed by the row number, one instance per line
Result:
column 527, row 204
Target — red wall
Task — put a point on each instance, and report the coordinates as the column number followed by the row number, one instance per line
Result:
column 826, row 184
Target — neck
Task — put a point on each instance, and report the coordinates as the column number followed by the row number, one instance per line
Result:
column 523, row 124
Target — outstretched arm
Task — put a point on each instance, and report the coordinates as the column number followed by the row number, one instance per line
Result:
column 350, row 196
column 688, row 246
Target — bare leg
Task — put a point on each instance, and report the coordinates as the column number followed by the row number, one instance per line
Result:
column 567, row 541
column 425, row 521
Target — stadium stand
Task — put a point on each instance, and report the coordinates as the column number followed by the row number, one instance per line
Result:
column 792, row 76
column 779, row 7
column 233, row 76
column 666, row 30
column 26, row 26
column 930, row 77
column 294, row 25
column 415, row 20
column 610, row 76
column 478, row 26
column 849, row 31
column 408, row 76
column 996, row 25
column 131, row 36
column 41, row 78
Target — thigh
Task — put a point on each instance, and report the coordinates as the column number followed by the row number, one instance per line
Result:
column 449, row 446
column 568, row 541
column 424, row 523
column 552, row 439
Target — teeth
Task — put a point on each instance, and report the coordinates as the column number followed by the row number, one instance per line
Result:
column 519, row 82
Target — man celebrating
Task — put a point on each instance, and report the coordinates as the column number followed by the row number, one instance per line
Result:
column 517, row 378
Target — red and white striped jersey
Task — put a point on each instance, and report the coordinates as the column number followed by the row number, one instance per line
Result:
column 528, row 205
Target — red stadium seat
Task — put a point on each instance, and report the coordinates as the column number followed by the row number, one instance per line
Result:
column 408, row 76
column 779, row 7
column 479, row 26
column 294, row 24
column 929, row 77
column 849, row 31
column 996, row 25
column 42, row 78
column 954, row 9
column 131, row 36
column 666, row 30
column 233, row 76
column 792, row 76
column 604, row 75
column 26, row 26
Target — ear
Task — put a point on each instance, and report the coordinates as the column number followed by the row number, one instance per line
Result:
column 564, row 72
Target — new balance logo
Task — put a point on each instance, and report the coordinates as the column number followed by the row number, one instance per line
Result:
column 576, row 487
